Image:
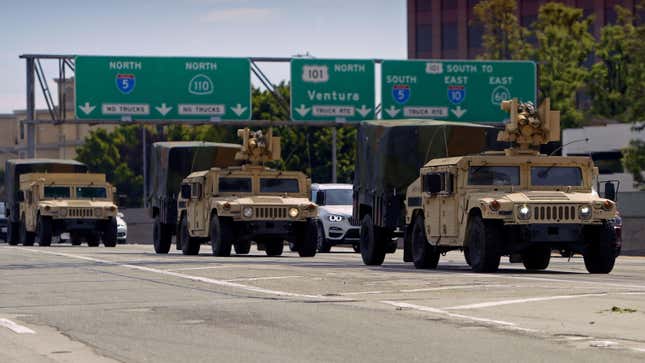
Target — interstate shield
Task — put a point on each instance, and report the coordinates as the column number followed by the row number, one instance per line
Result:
column 125, row 83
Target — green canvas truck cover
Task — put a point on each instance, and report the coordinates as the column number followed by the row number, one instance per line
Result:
column 172, row 161
column 390, row 153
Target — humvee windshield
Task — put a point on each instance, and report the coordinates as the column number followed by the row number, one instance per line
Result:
column 556, row 175
column 235, row 185
column 91, row 192
column 276, row 185
column 57, row 192
column 494, row 175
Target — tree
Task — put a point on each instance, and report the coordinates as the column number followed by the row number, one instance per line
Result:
column 634, row 159
column 611, row 78
column 564, row 44
column 635, row 93
column 503, row 37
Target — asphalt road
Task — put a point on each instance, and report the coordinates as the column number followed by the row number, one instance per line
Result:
column 127, row 304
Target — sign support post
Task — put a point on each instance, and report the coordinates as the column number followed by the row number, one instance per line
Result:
column 31, row 109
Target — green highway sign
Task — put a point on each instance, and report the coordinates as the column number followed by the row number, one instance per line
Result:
column 454, row 90
column 162, row 88
column 332, row 89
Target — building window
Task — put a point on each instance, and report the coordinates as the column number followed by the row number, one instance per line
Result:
column 449, row 36
column 424, row 38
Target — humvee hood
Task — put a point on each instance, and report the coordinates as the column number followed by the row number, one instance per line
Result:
column 264, row 200
column 77, row 203
column 550, row 196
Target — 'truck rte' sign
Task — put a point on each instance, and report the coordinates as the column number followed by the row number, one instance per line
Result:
column 332, row 89
column 454, row 90
column 156, row 88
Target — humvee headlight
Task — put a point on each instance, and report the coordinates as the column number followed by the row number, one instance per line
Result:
column 63, row 212
column 585, row 212
column 524, row 212
column 47, row 208
column 98, row 212
column 294, row 212
column 247, row 212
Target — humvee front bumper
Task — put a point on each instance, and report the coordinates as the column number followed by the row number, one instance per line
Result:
column 250, row 230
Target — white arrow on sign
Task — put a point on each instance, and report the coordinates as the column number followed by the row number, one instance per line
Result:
column 302, row 110
column 364, row 110
column 459, row 111
column 87, row 108
column 238, row 109
column 163, row 110
column 392, row 111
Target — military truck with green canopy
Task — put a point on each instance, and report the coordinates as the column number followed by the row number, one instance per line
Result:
column 171, row 162
column 14, row 168
column 389, row 155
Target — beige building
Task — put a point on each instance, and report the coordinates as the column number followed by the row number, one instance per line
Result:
column 57, row 141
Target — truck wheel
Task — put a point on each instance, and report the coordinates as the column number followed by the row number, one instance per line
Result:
column 483, row 241
column 13, row 233
column 26, row 238
column 424, row 254
column 161, row 236
column 75, row 238
column 323, row 244
column 93, row 240
column 44, row 229
column 221, row 237
column 189, row 246
column 372, row 251
column 308, row 239
column 600, row 255
column 242, row 247
column 467, row 256
column 274, row 247
column 109, row 233
column 536, row 258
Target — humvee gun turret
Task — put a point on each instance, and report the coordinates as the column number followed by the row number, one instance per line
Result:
column 171, row 162
column 54, row 203
column 516, row 202
column 234, row 206
column 14, row 168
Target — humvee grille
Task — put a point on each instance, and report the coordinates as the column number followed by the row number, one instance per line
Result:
column 271, row 212
column 554, row 213
column 80, row 212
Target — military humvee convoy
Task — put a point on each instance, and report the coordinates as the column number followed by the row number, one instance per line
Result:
column 48, row 197
column 516, row 202
column 233, row 206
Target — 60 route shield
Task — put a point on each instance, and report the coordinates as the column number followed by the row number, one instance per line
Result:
column 163, row 88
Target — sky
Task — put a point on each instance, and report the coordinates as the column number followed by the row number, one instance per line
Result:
column 216, row 28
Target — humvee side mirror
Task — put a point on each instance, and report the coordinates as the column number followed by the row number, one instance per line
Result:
column 432, row 183
column 320, row 197
column 185, row 191
column 610, row 191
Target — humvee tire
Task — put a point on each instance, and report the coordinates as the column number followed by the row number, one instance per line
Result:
column 274, row 246
column 307, row 239
column 13, row 233
column 242, row 247
column 323, row 244
column 26, row 238
column 221, row 237
column 92, row 240
column 44, row 228
column 372, row 248
column 536, row 258
column 425, row 256
column 109, row 233
column 600, row 255
column 483, row 240
column 189, row 246
column 161, row 236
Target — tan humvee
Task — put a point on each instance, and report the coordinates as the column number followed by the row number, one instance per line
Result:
column 516, row 202
column 55, row 203
column 236, row 205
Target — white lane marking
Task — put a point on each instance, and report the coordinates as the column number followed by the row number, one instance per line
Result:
column 16, row 328
column 427, row 309
column 427, row 289
column 592, row 282
column 365, row 292
column 264, row 278
column 207, row 280
column 520, row 301
column 195, row 268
